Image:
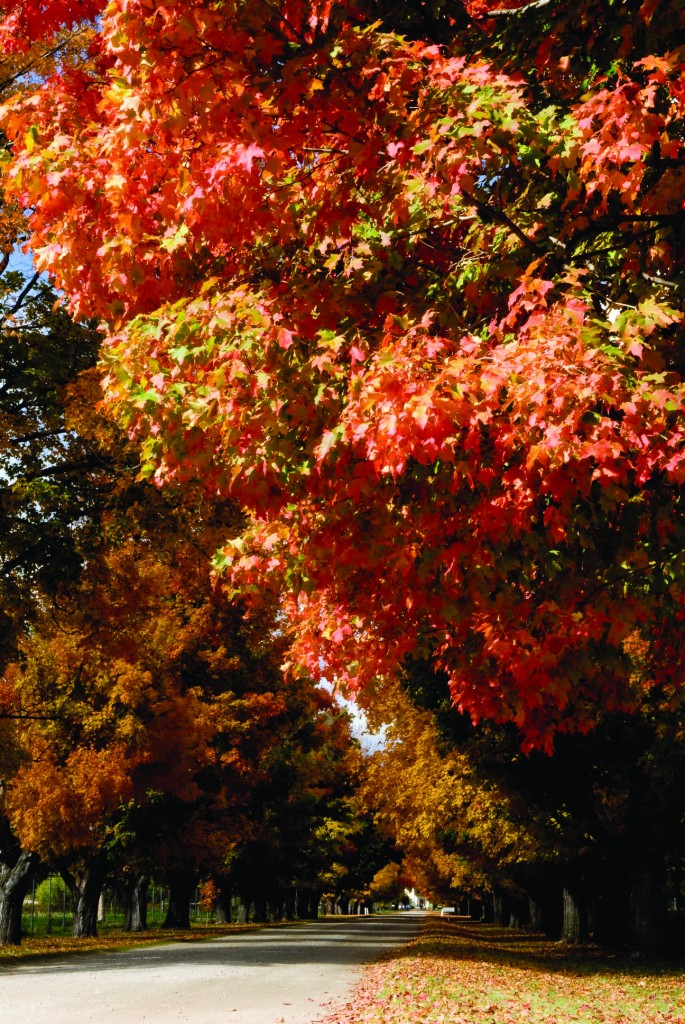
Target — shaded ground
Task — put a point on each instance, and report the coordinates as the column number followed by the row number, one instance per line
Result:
column 457, row 972
column 290, row 975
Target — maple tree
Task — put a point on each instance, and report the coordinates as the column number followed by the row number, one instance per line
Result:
column 143, row 713
column 167, row 737
column 115, row 724
column 50, row 477
column 412, row 299
column 461, row 828
column 302, row 817
column 587, row 843
column 22, row 67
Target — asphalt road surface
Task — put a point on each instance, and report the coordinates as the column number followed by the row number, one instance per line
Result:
column 289, row 975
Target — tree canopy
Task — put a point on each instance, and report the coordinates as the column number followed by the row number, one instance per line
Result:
column 404, row 281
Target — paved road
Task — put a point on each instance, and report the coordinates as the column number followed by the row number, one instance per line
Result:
column 289, row 975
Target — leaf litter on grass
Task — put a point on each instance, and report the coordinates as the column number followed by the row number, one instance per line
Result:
column 456, row 973
column 111, row 939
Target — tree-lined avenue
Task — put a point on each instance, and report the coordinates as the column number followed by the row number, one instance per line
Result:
column 286, row 974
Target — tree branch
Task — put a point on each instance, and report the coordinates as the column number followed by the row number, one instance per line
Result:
column 38, row 435
column 20, row 300
column 490, row 214
column 508, row 12
column 71, row 467
column 7, row 82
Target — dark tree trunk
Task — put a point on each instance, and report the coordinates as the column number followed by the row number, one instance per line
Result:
column 574, row 925
column 501, row 908
column 276, row 904
column 136, row 903
column 223, row 902
column 488, row 909
column 308, row 904
column 476, row 908
column 536, row 914
column 16, row 871
column 546, row 910
column 647, row 911
column 610, row 918
column 181, row 889
column 290, row 905
column 519, row 913
column 85, row 885
column 260, row 911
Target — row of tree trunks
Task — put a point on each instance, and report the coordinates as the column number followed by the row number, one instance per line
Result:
column 85, row 884
column 265, row 907
column 619, row 911
column 622, row 912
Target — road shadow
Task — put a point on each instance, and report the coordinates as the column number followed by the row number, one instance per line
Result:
column 348, row 942
column 463, row 940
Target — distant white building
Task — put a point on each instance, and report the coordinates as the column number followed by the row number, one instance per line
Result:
column 417, row 902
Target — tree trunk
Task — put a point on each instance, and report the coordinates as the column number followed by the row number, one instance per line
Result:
column 574, row 926
column 647, row 912
column 136, row 903
column 85, row 885
column 536, row 914
column 289, row 906
column 610, row 918
column 476, row 908
column 501, row 908
column 519, row 912
column 276, row 906
column 223, row 903
column 308, row 904
column 545, row 910
column 488, row 909
column 260, row 911
column 16, row 872
column 181, row 889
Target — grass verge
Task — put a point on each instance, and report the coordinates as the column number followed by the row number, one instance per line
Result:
column 114, row 938
column 465, row 973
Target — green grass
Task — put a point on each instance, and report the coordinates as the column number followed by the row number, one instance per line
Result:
column 463, row 973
